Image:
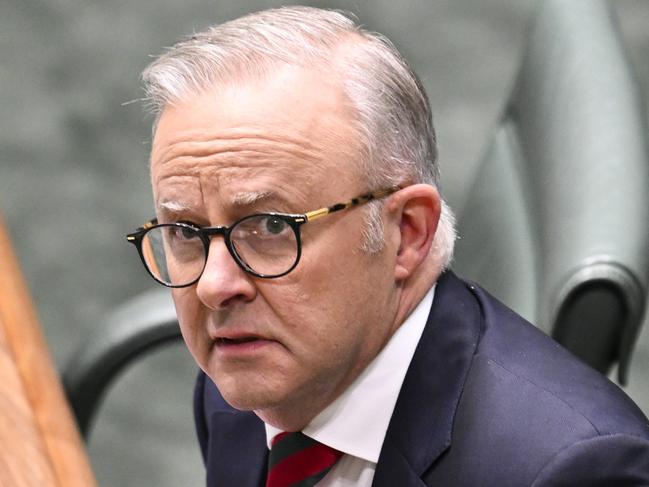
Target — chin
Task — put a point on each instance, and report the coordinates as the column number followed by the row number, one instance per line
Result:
column 247, row 398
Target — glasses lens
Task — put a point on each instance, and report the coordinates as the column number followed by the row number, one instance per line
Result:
column 267, row 244
column 174, row 254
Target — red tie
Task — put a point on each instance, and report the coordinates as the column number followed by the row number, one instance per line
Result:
column 298, row 461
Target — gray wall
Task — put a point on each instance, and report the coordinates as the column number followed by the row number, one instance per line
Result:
column 73, row 170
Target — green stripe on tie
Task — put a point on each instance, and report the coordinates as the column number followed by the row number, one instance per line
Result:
column 288, row 445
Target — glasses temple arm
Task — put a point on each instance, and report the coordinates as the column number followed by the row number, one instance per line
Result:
column 319, row 213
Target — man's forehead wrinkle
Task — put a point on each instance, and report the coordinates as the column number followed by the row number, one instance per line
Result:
column 173, row 191
column 185, row 171
column 222, row 168
column 276, row 166
column 252, row 131
column 223, row 158
column 236, row 186
column 201, row 144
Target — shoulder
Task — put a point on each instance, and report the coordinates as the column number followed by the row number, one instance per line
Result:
column 613, row 459
column 514, row 357
column 530, row 409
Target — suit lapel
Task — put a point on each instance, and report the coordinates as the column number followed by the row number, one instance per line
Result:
column 422, row 422
column 237, row 450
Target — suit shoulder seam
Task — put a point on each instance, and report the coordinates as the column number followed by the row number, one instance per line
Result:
column 559, row 398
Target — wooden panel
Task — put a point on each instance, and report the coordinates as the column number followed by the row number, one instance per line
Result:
column 23, row 460
column 39, row 441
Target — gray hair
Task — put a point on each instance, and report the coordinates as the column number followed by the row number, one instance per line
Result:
column 393, row 115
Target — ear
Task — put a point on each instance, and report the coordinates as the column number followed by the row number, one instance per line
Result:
column 417, row 209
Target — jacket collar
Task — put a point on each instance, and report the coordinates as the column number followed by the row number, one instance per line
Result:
column 422, row 422
column 237, row 452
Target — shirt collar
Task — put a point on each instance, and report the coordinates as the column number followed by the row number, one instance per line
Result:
column 356, row 422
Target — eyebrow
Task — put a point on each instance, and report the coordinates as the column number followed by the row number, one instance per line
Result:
column 252, row 197
column 247, row 198
column 172, row 206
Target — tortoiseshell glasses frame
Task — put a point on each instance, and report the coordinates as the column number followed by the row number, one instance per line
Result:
column 266, row 245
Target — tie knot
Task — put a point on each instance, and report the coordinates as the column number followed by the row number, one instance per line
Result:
column 298, row 461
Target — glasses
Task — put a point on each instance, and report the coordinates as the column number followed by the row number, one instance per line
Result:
column 266, row 245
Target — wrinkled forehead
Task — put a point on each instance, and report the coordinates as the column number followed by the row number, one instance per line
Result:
column 294, row 128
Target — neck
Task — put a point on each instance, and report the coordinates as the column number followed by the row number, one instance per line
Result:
column 414, row 289
column 304, row 406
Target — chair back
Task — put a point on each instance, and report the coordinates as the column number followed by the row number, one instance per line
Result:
column 556, row 224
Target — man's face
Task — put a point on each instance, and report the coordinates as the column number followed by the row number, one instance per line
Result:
column 282, row 144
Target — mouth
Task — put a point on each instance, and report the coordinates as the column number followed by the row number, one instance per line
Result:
column 239, row 343
column 236, row 341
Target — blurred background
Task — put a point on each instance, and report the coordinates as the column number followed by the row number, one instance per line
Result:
column 74, row 146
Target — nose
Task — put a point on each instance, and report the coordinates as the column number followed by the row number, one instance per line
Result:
column 223, row 283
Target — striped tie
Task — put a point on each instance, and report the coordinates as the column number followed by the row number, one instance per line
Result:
column 298, row 461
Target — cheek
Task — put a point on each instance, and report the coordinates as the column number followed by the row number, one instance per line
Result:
column 318, row 314
column 333, row 279
column 343, row 304
column 188, row 310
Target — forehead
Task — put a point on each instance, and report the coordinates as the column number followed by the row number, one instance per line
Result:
column 293, row 129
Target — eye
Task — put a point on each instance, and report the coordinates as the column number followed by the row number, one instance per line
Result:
column 274, row 225
column 262, row 227
column 183, row 232
column 188, row 233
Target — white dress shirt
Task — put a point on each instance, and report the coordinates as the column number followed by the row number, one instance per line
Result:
column 356, row 422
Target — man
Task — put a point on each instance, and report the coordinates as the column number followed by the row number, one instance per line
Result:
column 298, row 220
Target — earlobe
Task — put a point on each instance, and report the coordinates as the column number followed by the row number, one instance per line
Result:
column 418, row 208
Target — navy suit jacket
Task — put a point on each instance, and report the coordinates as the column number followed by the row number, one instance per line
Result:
column 488, row 400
